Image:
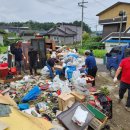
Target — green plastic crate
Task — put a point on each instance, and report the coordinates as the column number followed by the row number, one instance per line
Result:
column 99, row 115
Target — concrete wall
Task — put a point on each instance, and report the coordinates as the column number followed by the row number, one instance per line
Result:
column 1, row 40
column 62, row 40
column 109, row 46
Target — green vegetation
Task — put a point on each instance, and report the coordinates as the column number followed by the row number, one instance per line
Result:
column 97, row 53
column 3, row 49
column 43, row 26
column 105, row 91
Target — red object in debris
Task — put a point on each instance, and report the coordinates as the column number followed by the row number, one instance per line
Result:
column 4, row 65
column 92, row 103
column 3, row 72
column 58, row 92
column 92, row 89
column 44, row 87
column 13, row 70
column 108, row 98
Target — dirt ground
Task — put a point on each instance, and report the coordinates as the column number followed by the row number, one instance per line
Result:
column 121, row 118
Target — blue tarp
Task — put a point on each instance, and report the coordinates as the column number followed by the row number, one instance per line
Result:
column 32, row 94
column 23, row 106
column 69, row 71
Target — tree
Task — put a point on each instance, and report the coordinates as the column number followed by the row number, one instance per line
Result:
column 85, row 26
column 86, row 36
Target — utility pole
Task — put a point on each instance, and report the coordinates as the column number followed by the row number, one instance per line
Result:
column 121, row 14
column 82, row 4
column 96, row 28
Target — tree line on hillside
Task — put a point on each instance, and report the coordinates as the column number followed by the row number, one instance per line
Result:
column 43, row 26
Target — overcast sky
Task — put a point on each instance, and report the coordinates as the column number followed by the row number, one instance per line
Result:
column 53, row 10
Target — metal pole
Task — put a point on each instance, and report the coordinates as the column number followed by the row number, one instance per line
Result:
column 81, row 4
column 82, row 22
column 120, row 30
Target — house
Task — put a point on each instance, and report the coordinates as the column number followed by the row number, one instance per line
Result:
column 116, row 28
column 2, row 38
column 13, row 29
column 27, row 35
column 65, row 34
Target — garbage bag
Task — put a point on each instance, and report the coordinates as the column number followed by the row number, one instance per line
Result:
column 32, row 94
column 45, row 71
column 69, row 71
column 76, row 74
column 73, row 55
column 23, row 106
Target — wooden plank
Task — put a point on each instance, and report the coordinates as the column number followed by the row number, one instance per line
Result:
column 78, row 97
column 11, row 80
column 97, row 124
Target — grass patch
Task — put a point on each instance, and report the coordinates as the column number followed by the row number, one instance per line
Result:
column 97, row 53
column 3, row 49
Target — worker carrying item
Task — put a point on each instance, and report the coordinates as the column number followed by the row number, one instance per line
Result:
column 91, row 65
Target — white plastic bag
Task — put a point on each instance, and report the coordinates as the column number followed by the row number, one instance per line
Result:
column 76, row 74
column 82, row 81
column 80, row 116
column 53, row 55
column 45, row 71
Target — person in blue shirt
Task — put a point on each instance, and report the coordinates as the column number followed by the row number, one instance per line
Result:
column 91, row 65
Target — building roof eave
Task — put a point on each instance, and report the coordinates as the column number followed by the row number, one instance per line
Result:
column 118, row 3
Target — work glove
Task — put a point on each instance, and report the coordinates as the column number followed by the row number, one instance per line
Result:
column 115, row 79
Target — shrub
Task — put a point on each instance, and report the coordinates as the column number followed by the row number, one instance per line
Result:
column 99, row 53
column 3, row 49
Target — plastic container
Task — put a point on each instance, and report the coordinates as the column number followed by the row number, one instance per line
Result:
column 3, row 72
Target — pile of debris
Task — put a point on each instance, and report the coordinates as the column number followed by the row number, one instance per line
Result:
column 37, row 103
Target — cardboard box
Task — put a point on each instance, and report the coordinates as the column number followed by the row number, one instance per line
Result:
column 97, row 124
column 78, row 97
column 65, row 101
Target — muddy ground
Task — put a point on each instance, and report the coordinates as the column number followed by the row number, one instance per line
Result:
column 121, row 118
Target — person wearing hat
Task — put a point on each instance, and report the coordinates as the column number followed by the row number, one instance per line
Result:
column 33, row 59
column 91, row 65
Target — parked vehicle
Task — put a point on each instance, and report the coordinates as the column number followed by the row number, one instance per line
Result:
column 114, row 57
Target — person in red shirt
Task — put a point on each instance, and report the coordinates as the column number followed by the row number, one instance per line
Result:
column 124, row 69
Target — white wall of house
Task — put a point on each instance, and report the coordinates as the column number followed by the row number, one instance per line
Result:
column 109, row 46
column 62, row 40
column 1, row 40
